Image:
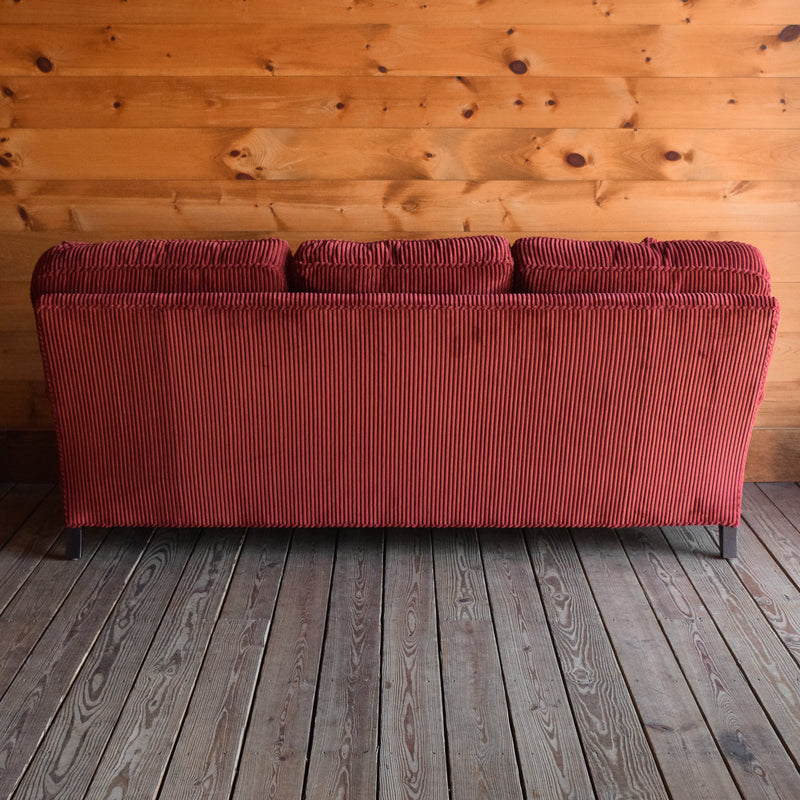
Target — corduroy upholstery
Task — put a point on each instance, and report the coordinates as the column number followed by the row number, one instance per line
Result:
column 159, row 265
column 467, row 265
column 264, row 408
column 570, row 265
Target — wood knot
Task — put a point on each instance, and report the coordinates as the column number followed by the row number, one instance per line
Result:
column 789, row 33
column 672, row 155
column 8, row 92
column 44, row 64
column 576, row 160
column 518, row 67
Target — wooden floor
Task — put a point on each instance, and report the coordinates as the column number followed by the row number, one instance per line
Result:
column 350, row 664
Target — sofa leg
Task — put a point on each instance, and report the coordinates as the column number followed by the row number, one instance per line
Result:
column 74, row 543
column 727, row 541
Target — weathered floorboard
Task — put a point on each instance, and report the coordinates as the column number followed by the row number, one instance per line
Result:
column 482, row 757
column 35, row 695
column 74, row 744
column 273, row 762
column 684, row 748
column 547, row 741
column 774, row 529
column 755, row 754
column 413, row 754
column 776, row 595
column 762, row 657
column 401, row 664
column 343, row 760
column 615, row 746
column 207, row 751
column 31, row 610
column 134, row 762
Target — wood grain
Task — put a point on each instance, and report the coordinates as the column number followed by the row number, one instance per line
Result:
column 271, row 207
column 29, row 544
column 769, row 585
column 29, row 613
column 343, row 759
column 322, row 154
column 754, row 753
column 75, row 742
column 775, row 531
column 617, row 752
column 787, row 496
column 18, row 502
column 214, row 101
column 774, row 455
column 765, row 662
column 482, row 757
column 681, row 742
column 208, row 748
column 312, row 48
column 136, row 757
column 568, row 12
column 413, row 755
column 31, row 701
column 547, row 741
column 273, row 761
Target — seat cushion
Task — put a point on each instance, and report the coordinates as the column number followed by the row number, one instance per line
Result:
column 163, row 266
column 569, row 265
column 467, row 265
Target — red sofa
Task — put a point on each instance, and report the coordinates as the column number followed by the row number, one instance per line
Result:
column 454, row 382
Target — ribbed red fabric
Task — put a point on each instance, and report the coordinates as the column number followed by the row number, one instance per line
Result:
column 404, row 410
column 160, row 265
column 571, row 265
column 465, row 265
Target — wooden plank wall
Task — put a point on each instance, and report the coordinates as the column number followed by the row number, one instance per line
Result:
column 365, row 119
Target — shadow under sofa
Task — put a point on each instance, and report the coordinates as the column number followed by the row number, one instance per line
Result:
column 441, row 383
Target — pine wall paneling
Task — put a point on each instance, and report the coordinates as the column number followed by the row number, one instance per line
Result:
column 354, row 119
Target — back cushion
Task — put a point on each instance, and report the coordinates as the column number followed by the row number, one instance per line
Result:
column 159, row 265
column 468, row 265
column 570, row 265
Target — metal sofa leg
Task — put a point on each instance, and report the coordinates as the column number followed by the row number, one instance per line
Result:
column 727, row 541
column 74, row 542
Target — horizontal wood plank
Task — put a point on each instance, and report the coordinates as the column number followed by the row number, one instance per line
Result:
column 780, row 408
column 271, row 207
column 398, row 49
column 774, row 455
column 496, row 154
column 566, row 12
column 402, row 102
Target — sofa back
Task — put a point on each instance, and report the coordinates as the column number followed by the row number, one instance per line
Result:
column 404, row 409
